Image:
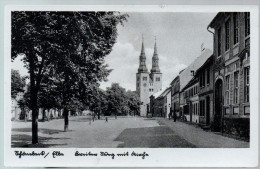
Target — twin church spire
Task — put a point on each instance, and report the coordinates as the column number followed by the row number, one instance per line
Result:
column 155, row 60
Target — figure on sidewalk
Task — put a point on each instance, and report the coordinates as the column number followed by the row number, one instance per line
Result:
column 106, row 120
column 174, row 116
column 170, row 114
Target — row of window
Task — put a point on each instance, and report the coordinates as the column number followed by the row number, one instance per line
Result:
column 235, row 31
column 145, row 78
column 191, row 92
column 235, row 110
column 205, row 78
column 236, row 87
column 195, row 108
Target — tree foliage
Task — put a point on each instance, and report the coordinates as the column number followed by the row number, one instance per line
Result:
column 120, row 101
column 17, row 83
column 65, row 50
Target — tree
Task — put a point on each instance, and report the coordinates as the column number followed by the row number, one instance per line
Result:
column 120, row 101
column 69, row 47
column 133, row 102
column 17, row 83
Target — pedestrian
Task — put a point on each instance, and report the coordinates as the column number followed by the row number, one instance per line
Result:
column 174, row 116
column 106, row 120
column 170, row 114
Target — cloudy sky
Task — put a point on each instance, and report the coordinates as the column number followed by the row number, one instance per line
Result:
column 179, row 38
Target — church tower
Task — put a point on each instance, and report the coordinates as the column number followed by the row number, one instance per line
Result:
column 142, row 82
column 147, row 83
column 156, row 74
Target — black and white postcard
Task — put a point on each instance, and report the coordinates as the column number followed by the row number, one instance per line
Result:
column 131, row 86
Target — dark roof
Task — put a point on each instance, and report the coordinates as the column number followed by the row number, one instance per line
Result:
column 212, row 23
column 174, row 79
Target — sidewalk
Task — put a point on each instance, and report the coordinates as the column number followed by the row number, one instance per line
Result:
column 201, row 138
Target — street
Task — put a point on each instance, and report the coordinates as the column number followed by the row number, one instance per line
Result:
column 120, row 132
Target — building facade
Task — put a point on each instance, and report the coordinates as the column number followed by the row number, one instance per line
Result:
column 191, row 101
column 147, row 83
column 205, row 76
column 175, row 96
column 167, row 101
column 231, row 72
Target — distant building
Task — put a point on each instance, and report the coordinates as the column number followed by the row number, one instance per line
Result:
column 160, row 103
column 157, row 104
column 16, row 110
column 167, row 101
column 231, row 72
column 148, row 83
column 175, row 96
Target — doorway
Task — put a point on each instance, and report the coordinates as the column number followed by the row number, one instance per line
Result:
column 207, row 110
column 218, row 104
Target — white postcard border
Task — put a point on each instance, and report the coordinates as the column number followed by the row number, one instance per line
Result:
column 158, row 157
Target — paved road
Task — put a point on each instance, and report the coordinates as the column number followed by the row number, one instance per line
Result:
column 201, row 138
column 121, row 132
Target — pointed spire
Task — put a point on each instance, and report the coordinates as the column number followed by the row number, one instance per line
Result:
column 155, row 60
column 155, row 47
column 142, row 59
column 142, row 50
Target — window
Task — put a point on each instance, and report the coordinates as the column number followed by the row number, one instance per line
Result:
column 227, row 29
column 227, row 89
column 247, row 84
column 246, row 110
column 227, row 111
column 202, row 79
column 138, row 78
column 219, row 41
column 144, row 78
column 235, row 20
column 247, row 23
column 208, row 76
column 236, row 87
column 157, row 79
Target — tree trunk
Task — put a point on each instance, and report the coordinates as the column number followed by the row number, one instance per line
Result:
column 43, row 115
column 66, row 119
column 34, row 106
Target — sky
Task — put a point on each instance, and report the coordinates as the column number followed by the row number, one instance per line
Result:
column 179, row 38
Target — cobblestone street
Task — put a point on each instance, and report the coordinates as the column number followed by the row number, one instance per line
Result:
column 120, row 132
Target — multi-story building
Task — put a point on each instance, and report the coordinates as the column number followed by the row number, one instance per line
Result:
column 205, row 76
column 187, row 75
column 231, row 71
column 191, row 101
column 147, row 83
column 167, row 101
column 175, row 96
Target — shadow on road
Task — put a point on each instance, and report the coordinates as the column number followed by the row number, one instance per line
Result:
column 40, row 130
column 23, row 140
column 152, row 137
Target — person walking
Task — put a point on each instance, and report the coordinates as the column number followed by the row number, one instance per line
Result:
column 170, row 114
column 174, row 116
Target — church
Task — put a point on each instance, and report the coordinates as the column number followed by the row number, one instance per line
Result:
column 147, row 83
